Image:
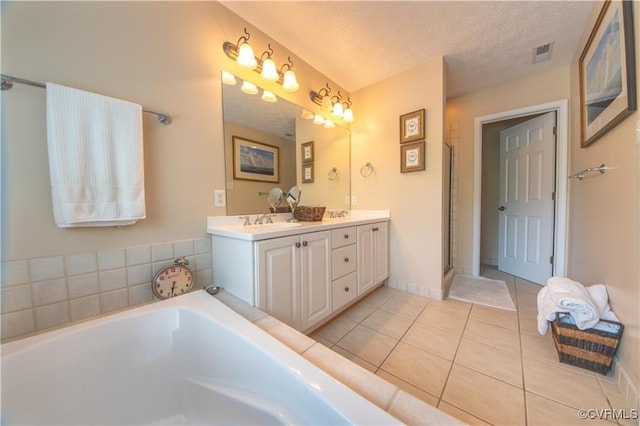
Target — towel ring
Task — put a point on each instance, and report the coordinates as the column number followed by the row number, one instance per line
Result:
column 366, row 170
column 333, row 174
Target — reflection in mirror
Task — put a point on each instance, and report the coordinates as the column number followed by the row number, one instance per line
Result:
column 280, row 124
column 293, row 199
column 275, row 198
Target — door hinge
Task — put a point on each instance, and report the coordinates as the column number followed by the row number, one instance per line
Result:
column 555, row 131
column 551, row 260
column 553, row 196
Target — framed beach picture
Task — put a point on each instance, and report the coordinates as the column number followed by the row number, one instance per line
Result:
column 306, row 152
column 255, row 161
column 412, row 126
column 607, row 72
column 412, row 157
column 307, row 173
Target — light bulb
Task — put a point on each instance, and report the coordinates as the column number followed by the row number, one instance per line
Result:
column 348, row 116
column 269, row 71
column 249, row 88
column 338, row 111
column 290, row 83
column 329, row 124
column 268, row 96
column 318, row 119
column 228, row 78
column 246, row 58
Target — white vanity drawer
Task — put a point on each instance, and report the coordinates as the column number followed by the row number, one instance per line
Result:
column 345, row 290
column 343, row 236
column 344, row 260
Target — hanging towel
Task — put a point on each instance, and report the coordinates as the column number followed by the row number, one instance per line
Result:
column 95, row 158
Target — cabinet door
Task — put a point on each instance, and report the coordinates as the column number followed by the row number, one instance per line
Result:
column 366, row 277
column 278, row 278
column 381, row 249
column 315, row 287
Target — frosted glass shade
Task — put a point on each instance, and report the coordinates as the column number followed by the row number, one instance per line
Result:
column 246, row 58
column 228, row 78
column 338, row 111
column 268, row 96
column 269, row 71
column 249, row 88
column 329, row 124
column 348, row 116
column 318, row 119
column 290, row 82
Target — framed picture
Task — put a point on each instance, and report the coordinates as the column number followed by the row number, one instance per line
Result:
column 307, row 173
column 412, row 126
column 412, row 157
column 307, row 152
column 607, row 72
column 255, row 161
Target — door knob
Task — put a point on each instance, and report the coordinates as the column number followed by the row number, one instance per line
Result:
column 502, row 208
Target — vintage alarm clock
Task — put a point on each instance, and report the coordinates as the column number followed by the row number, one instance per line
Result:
column 173, row 280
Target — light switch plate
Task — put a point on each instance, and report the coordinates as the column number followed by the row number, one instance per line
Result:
column 354, row 200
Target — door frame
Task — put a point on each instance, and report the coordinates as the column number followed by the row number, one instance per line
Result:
column 562, row 146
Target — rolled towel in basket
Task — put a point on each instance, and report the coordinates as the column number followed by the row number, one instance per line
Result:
column 565, row 295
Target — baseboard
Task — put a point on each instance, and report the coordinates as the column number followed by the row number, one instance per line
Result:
column 628, row 389
column 417, row 289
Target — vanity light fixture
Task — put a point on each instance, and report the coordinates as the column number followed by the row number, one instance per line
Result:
column 245, row 56
column 242, row 53
column 333, row 104
column 269, row 71
column 249, row 88
column 268, row 96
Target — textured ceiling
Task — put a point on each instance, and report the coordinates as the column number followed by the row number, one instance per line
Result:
column 358, row 43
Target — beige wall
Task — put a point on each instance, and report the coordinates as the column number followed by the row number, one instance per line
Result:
column 243, row 198
column 604, row 213
column 331, row 149
column 163, row 55
column 538, row 89
column 414, row 199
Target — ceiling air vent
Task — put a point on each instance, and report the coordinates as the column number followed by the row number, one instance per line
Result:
column 542, row 52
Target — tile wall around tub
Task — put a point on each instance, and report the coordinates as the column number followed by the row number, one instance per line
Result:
column 47, row 292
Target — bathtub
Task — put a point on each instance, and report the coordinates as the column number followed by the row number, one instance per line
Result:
column 186, row 360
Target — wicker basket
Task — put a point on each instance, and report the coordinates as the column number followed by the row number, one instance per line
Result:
column 309, row 214
column 591, row 349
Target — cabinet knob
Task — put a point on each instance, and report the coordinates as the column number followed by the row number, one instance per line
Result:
column 346, row 236
column 346, row 289
column 346, row 260
column 304, row 243
column 297, row 245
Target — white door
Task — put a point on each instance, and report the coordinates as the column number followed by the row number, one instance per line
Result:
column 526, row 210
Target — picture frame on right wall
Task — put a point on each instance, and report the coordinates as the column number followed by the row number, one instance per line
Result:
column 607, row 72
column 412, row 126
column 412, row 157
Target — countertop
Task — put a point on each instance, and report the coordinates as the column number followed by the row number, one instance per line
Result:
column 231, row 226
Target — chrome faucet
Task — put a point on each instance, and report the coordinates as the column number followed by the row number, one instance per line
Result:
column 246, row 220
column 260, row 218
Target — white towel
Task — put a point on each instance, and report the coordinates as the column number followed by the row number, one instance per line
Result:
column 95, row 158
column 565, row 295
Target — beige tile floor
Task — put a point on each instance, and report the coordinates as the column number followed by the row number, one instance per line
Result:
column 480, row 364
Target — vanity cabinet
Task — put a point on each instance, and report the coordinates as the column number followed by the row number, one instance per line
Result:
column 294, row 278
column 373, row 255
column 344, row 257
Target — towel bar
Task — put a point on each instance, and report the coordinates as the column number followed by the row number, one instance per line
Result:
column 581, row 173
column 7, row 83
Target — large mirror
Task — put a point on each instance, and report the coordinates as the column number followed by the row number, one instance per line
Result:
column 270, row 145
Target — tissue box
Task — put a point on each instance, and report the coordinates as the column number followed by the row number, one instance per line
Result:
column 592, row 349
